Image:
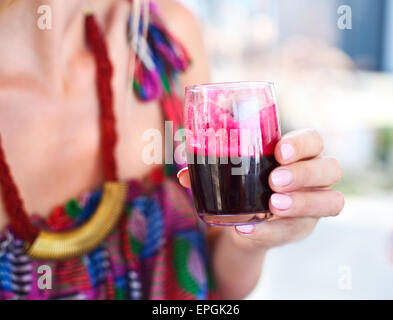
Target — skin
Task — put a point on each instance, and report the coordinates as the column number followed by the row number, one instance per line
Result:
column 48, row 85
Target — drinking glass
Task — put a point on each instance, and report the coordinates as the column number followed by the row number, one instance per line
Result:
column 231, row 130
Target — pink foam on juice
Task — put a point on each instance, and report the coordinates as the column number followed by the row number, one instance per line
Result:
column 215, row 131
column 270, row 129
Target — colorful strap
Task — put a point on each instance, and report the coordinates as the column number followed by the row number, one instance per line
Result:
column 160, row 58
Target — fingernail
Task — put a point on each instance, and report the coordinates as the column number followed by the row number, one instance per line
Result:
column 246, row 229
column 287, row 151
column 281, row 201
column 281, row 177
column 181, row 172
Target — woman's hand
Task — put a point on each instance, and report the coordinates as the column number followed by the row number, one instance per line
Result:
column 301, row 195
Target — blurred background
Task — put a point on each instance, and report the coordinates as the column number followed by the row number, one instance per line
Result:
column 339, row 81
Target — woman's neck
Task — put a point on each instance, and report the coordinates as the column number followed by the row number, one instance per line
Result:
column 31, row 49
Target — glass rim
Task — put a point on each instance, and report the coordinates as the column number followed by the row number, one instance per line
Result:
column 228, row 85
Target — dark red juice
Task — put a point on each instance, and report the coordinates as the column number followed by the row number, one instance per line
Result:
column 218, row 191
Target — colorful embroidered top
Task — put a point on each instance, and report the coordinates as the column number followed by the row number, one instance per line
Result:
column 157, row 251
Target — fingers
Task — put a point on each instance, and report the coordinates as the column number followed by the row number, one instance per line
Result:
column 298, row 145
column 184, row 178
column 320, row 203
column 277, row 232
column 318, row 172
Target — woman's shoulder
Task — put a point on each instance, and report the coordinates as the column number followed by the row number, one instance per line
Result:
column 187, row 28
column 179, row 19
column 177, row 14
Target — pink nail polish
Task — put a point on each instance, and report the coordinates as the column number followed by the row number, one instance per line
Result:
column 281, row 201
column 281, row 177
column 287, row 151
column 181, row 172
column 246, row 229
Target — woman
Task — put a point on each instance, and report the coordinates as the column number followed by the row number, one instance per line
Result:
column 69, row 122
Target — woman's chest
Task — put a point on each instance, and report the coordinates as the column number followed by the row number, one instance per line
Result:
column 52, row 141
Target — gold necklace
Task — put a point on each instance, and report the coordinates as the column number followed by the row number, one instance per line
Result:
column 69, row 244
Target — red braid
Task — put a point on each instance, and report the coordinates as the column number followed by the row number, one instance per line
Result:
column 107, row 118
column 19, row 219
column 13, row 204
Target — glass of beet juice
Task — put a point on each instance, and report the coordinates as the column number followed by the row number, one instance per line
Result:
column 231, row 130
